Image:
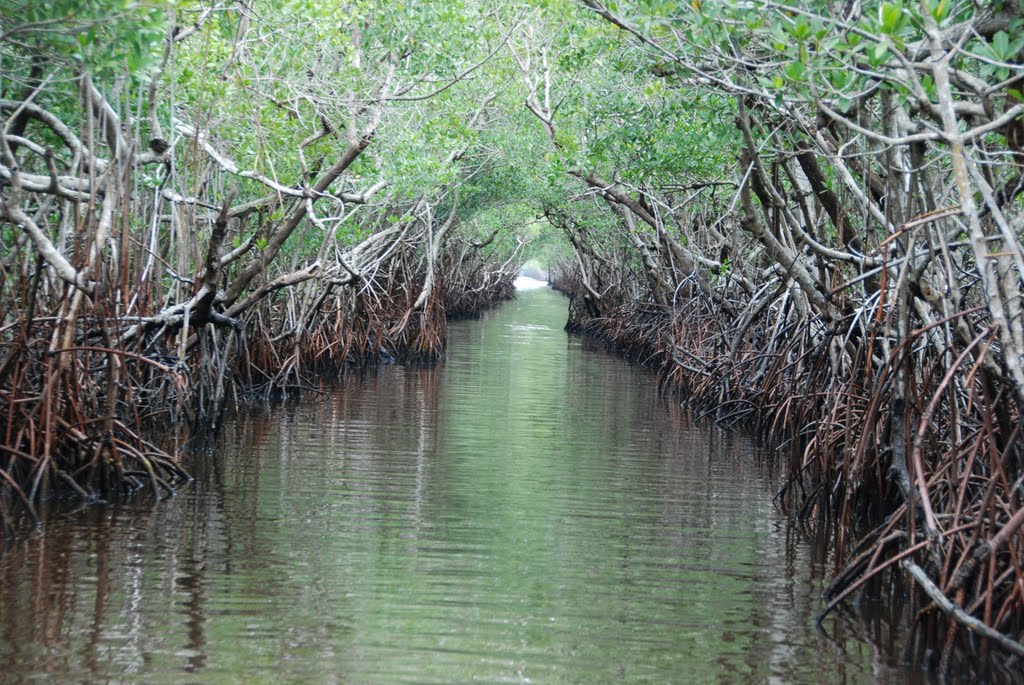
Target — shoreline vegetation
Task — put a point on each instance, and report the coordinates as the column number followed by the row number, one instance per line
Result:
column 807, row 216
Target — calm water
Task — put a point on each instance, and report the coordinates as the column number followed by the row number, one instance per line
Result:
column 530, row 511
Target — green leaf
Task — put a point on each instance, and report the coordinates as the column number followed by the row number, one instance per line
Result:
column 1001, row 46
column 879, row 52
column 939, row 10
column 891, row 14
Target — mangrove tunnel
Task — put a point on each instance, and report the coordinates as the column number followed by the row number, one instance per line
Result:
column 805, row 219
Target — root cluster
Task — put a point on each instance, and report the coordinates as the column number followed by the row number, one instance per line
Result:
column 922, row 489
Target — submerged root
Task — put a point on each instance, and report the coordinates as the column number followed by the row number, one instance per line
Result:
column 52, row 446
column 915, row 461
column 75, row 414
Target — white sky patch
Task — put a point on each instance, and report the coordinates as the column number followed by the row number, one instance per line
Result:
column 527, row 283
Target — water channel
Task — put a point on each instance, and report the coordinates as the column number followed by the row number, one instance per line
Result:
column 529, row 511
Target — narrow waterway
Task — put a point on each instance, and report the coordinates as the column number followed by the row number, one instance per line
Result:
column 529, row 511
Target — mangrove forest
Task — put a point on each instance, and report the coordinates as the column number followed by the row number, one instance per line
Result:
column 807, row 219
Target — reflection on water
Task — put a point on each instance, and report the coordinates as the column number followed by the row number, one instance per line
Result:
column 529, row 511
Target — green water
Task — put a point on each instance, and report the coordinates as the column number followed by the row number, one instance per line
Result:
column 529, row 511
